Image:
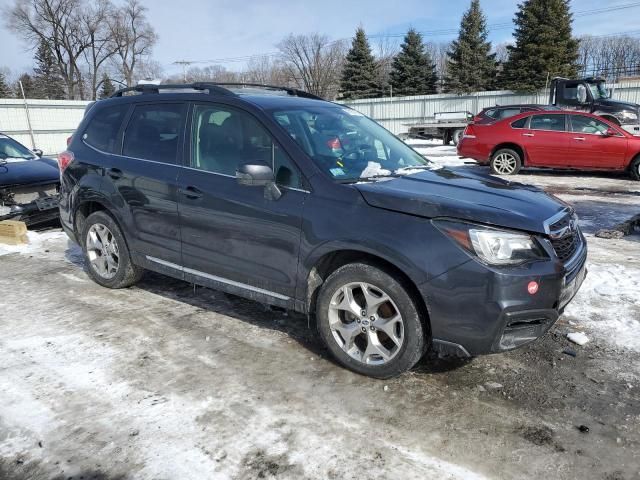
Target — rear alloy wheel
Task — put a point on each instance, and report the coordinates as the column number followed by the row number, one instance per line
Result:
column 634, row 168
column 505, row 162
column 108, row 260
column 369, row 322
column 457, row 136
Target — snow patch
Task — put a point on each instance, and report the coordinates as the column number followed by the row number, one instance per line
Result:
column 38, row 241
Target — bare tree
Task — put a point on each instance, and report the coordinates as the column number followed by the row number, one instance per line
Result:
column 313, row 63
column 266, row 70
column 438, row 52
column 57, row 22
column 134, row 38
column 611, row 57
column 101, row 47
column 385, row 50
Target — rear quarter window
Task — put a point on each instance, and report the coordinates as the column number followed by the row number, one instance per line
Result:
column 520, row 123
column 102, row 130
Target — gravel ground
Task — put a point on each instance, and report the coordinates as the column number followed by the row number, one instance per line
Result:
column 165, row 381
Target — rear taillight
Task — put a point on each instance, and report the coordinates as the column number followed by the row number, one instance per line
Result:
column 469, row 132
column 64, row 159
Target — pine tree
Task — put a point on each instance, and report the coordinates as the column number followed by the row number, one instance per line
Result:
column 5, row 90
column 359, row 74
column 47, row 80
column 107, row 88
column 544, row 45
column 471, row 65
column 28, row 85
column 413, row 72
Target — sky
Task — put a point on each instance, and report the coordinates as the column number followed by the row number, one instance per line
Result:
column 214, row 31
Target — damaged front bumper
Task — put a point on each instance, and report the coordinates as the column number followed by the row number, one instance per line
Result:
column 30, row 204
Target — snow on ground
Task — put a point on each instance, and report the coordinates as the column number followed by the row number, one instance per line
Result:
column 37, row 243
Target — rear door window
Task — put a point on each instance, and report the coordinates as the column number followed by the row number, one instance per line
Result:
column 521, row 123
column 154, row 132
column 508, row 112
column 103, row 128
column 548, row 122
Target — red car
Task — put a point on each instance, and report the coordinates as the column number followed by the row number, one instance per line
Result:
column 562, row 139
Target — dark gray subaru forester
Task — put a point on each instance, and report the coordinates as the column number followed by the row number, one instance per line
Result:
column 281, row 197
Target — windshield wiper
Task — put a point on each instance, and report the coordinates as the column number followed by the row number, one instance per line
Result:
column 414, row 167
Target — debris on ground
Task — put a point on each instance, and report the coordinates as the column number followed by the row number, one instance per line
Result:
column 609, row 233
column 578, row 338
column 493, row 385
column 583, row 429
column 13, row 232
column 625, row 228
column 386, row 388
column 568, row 351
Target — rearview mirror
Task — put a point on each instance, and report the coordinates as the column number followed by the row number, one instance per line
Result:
column 256, row 174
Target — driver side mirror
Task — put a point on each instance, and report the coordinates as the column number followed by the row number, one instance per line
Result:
column 38, row 152
column 258, row 174
column 610, row 132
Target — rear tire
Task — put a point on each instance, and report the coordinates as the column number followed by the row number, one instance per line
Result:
column 107, row 255
column 505, row 162
column 634, row 168
column 369, row 322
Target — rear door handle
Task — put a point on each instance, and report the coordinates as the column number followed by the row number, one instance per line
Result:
column 190, row 192
column 528, row 135
column 581, row 139
column 114, row 173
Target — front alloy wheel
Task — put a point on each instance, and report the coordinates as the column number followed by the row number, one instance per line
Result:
column 370, row 321
column 366, row 323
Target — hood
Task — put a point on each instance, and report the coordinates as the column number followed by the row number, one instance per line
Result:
column 37, row 171
column 616, row 105
column 466, row 196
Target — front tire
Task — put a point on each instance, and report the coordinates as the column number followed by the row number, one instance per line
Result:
column 505, row 162
column 634, row 168
column 369, row 322
column 107, row 255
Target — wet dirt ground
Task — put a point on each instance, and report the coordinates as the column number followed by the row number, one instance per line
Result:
column 164, row 381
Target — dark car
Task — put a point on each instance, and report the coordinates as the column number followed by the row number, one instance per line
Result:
column 29, row 184
column 560, row 140
column 500, row 112
column 246, row 191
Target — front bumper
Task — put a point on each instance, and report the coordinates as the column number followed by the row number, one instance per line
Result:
column 474, row 309
column 38, row 211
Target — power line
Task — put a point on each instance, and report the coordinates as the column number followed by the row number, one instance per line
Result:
column 431, row 33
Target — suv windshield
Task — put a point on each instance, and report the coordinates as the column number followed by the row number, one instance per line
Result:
column 599, row 91
column 348, row 146
column 9, row 148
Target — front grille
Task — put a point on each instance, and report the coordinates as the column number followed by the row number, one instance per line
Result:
column 566, row 246
column 565, row 236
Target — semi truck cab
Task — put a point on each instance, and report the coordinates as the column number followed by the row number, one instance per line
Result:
column 591, row 95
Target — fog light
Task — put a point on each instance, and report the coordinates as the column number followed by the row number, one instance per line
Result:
column 532, row 288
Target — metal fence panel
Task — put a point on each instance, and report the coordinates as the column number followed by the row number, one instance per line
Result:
column 397, row 112
column 52, row 122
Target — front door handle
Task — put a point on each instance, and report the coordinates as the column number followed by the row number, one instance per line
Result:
column 114, row 173
column 528, row 135
column 580, row 139
column 190, row 192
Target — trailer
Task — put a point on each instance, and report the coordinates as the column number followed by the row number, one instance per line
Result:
column 449, row 126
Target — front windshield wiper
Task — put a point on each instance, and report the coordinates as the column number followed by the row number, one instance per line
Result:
column 414, row 167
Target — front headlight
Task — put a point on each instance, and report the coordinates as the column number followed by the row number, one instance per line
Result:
column 491, row 245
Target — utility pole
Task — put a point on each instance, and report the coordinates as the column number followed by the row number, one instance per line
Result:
column 185, row 64
column 26, row 109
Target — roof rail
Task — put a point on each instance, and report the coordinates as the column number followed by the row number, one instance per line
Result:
column 291, row 91
column 213, row 88
column 152, row 88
